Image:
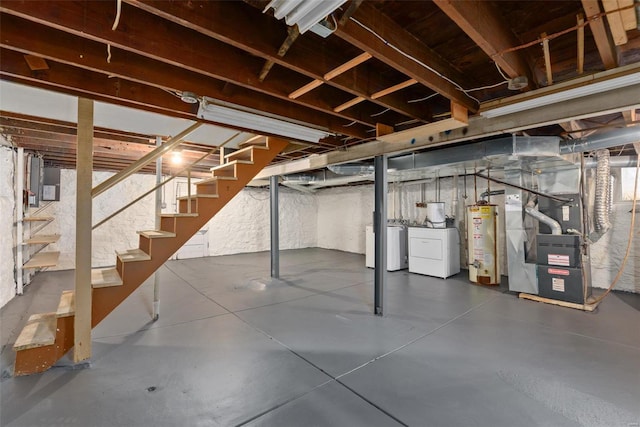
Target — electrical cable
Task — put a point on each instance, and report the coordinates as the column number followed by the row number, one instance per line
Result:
column 380, row 113
column 629, row 242
column 423, row 99
column 417, row 61
column 116, row 21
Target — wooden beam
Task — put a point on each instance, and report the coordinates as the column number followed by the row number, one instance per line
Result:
column 482, row 22
column 547, row 58
column 580, row 54
column 382, row 130
column 365, row 56
column 479, row 127
column 30, row 37
column 395, row 88
column 353, row 6
column 84, row 180
column 628, row 14
column 363, row 38
column 459, row 118
column 615, row 22
column 246, row 28
column 602, row 38
column 349, row 104
column 304, row 89
column 630, row 116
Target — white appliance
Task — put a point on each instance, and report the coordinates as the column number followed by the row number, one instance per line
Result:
column 396, row 248
column 434, row 251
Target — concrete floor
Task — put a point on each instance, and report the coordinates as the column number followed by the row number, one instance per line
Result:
column 233, row 347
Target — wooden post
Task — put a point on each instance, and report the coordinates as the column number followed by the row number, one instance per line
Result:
column 84, row 169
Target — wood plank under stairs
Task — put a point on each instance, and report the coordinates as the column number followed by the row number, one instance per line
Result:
column 49, row 336
column 43, row 259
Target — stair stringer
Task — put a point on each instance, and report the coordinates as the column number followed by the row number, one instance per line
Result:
column 133, row 274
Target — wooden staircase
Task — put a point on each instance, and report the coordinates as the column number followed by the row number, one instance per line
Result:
column 49, row 336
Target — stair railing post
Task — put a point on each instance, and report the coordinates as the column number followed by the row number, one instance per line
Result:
column 84, row 202
column 189, row 190
column 156, row 276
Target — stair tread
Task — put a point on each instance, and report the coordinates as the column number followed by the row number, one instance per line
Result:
column 215, row 179
column 42, row 239
column 195, row 196
column 256, row 141
column 231, row 164
column 178, row 215
column 133, row 255
column 105, row 277
column 39, row 331
column 156, row 234
column 43, row 259
column 37, row 218
column 245, row 150
column 67, row 304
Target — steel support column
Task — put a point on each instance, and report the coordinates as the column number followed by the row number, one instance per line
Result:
column 380, row 230
column 275, row 233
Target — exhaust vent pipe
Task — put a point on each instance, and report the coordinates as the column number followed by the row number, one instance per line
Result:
column 552, row 223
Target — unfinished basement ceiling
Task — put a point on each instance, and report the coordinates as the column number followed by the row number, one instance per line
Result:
column 402, row 64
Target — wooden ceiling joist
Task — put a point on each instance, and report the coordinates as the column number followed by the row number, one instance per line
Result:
column 628, row 14
column 580, row 52
column 161, row 72
column 603, row 41
column 359, row 32
column 217, row 21
column 547, row 58
column 481, row 21
column 304, row 89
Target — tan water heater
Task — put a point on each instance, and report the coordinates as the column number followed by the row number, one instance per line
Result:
column 482, row 235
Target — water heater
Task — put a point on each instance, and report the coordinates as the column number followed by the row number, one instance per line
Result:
column 482, row 235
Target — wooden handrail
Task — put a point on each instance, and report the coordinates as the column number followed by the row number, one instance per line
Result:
column 143, row 161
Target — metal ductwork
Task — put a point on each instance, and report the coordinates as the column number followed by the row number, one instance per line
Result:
column 352, row 169
column 603, row 191
column 599, row 141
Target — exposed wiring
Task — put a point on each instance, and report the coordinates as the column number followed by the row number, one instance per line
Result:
column 423, row 99
column 118, row 10
column 485, row 87
column 586, row 22
column 417, row 61
column 380, row 113
column 108, row 54
column 629, row 242
column 350, row 124
column 501, row 72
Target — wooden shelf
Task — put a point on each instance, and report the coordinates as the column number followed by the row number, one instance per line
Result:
column 37, row 218
column 44, row 239
column 43, row 259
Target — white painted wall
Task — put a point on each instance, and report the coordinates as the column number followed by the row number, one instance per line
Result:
column 7, row 220
column 343, row 214
column 608, row 252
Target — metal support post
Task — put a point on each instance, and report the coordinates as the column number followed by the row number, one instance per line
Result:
column 19, row 174
column 84, row 168
column 156, row 276
column 275, row 236
column 380, row 230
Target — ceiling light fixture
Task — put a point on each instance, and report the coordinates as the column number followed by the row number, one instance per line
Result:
column 189, row 97
column 564, row 95
column 304, row 13
column 210, row 110
column 176, row 157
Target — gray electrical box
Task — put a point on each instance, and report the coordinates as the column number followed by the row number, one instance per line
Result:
column 35, row 180
column 51, row 185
